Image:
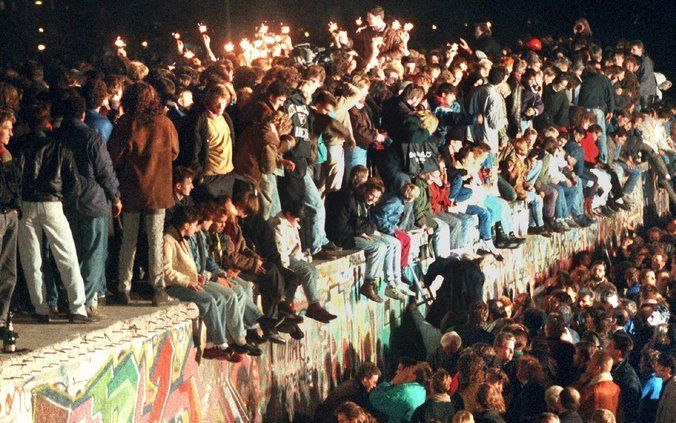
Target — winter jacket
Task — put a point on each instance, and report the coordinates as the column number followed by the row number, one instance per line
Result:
column 49, row 171
column 531, row 99
column 99, row 123
column 388, row 213
column 363, row 129
column 97, row 177
column 630, row 392
column 422, row 210
column 256, row 154
column 350, row 220
column 10, row 183
column 142, row 155
column 488, row 102
column 299, row 111
column 205, row 264
column 397, row 402
column 237, row 254
column 391, row 49
column 646, row 76
column 556, row 105
column 178, row 262
column 194, row 151
column 596, row 92
column 603, row 393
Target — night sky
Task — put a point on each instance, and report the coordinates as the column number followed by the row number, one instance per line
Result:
column 83, row 27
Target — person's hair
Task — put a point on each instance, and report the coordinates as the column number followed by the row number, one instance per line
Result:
column 602, row 416
column 490, row 398
column 503, row 337
column 623, row 342
column 441, row 382
column 247, row 201
column 182, row 215
column 548, row 418
column 277, row 89
column 530, row 368
column 472, row 368
column 325, row 97
column 583, row 27
column 6, row 115
column 603, row 360
column 636, row 43
column 552, row 396
column 367, row 369
column 463, row 416
column 140, row 101
column 377, row 11
column 477, row 312
column 410, row 191
column 446, row 88
column 449, row 339
column 586, row 349
column 595, row 128
column 667, row 359
column 215, row 91
column 95, row 92
column 73, row 106
column 405, row 361
column 412, row 92
column 357, row 173
column 497, row 74
column 9, row 97
column 354, row 413
column 484, row 27
column 181, row 173
column 569, row 398
column 39, row 115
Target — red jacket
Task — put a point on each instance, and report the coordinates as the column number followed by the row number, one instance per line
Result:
column 591, row 151
column 605, row 394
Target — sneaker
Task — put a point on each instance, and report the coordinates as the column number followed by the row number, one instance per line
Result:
column 584, row 221
column 253, row 337
column 269, row 324
column 297, row 334
column 160, row 297
column 95, row 312
column 293, row 330
column 317, row 312
column 368, row 289
column 394, row 293
column 82, row 319
column 275, row 338
column 249, row 349
column 289, row 313
column 216, row 353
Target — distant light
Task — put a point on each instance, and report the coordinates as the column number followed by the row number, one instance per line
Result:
column 41, row 30
column 144, row 44
column 434, row 27
column 307, row 34
column 41, row 47
column 38, row 2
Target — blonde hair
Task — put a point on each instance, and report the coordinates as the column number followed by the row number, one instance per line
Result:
column 603, row 416
column 463, row 416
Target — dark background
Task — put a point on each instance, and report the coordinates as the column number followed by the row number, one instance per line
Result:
column 80, row 28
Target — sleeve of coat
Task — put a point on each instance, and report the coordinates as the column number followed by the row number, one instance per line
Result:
column 118, row 147
column 281, row 248
column 72, row 187
column 171, row 275
column 193, row 144
column 349, row 100
column 495, row 117
column 269, row 154
column 173, row 137
column 382, row 217
column 103, row 168
column 364, row 134
column 239, row 256
column 396, row 51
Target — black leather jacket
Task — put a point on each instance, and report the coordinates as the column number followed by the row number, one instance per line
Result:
column 49, row 172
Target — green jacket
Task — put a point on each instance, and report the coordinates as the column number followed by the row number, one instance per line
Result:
column 398, row 402
column 422, row 210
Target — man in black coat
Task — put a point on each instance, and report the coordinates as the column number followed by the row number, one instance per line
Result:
column 625, row 376
column 569, row 402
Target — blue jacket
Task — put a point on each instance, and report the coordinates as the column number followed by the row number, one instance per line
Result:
column 99, row 123
column 459, row 192
column 574, row 149
column 388, row 214
column 199, row 247
column 97, row 177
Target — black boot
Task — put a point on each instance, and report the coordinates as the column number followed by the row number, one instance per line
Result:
column 502, row 240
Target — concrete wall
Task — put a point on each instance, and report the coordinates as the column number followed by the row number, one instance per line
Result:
column 145, row 370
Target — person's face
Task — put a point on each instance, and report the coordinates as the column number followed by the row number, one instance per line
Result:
column 505, row 351
column 185, row 99
column 370, row 382
column 457, row 76
column 6, row 132
column 185, row 187
column 650, row 278
column 217, row 105
column 324, row 109
column 598, row 272
column 372, row 197
column 374, row 21
column 658, row 262
column 662, row 371
column 477, row 32
column 585, row 301
column 278, row 102
column 191, row 228
column 206, row 224
column 637, row 51
column 219, row 224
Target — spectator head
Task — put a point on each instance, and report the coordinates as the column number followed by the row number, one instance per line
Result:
column 216, row 98
column 277, row 93
column 598, row 271
column 140, row 101
column 293, row 211
column 422, row 373
column 497, row 75
column 552, row 398
column 451, row 342
column 412, row 95
column 7, row 121
column 666, row 366
column 73, row 107
column 463, row 416
column 358, row 176
column 548, row 418
column 636, row 48
column 184, row 220
column 555, row 326
column 529, row 370
column 182, row 180
column 368, row 375
column 325, row 102
column 602, row 416
column 585, row 298
column 9, row 97
column 584, row 350
column 441, row 382
column 569, row 399
column 534, row 319
column 95, row 92
column 375, row 17
column 410, row 192
column 371, row 192
column 39, row 116
column 504, row 345
column 478, row 313
column 483, row 28
column 490, row 398
column 600, row 362
column 447, row 92
column 349, row 412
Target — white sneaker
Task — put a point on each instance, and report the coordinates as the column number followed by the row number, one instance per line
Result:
column 392, row 292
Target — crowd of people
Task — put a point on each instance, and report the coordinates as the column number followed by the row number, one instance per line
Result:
column 230, row 175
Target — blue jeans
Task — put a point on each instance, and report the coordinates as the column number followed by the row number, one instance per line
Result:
column 460, row 225
column 602, row 142
column 270, row 204
column 375, row 253
column 308, row 279
column 536, row 205
column 316, row 214
column 441, row 239
column 500, row 212
column 633, row 176
column 91, row 242
column 485, row 220
column 354, row 157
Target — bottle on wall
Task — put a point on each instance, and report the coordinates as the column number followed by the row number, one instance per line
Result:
column 9, row 337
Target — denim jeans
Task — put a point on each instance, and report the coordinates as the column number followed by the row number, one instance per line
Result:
column 218, row 307
column 536, row 206
column 633, row 176
column 500, row 212
column 315, row 214
column 602, row 142
column 375, row 253
column 485, row 220
column 91, row 242
column 392, row 264
column 154, row 226
column 441, row 239
column 244, row 291
column 9, row 229
column 460, row 229
column 270, row 204
column 47, row 218
column 308, row 279
column 354, row 157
